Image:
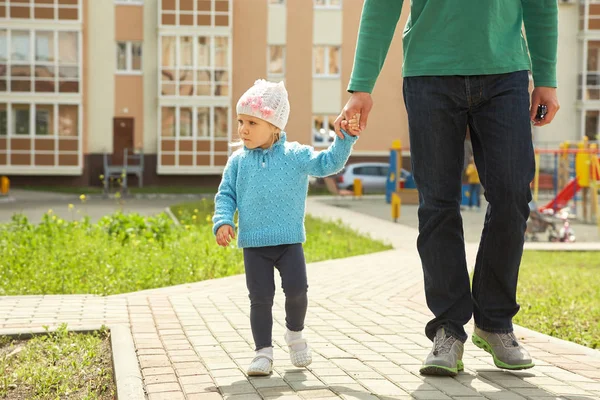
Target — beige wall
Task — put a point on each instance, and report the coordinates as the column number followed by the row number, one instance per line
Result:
column 129, row 23
column 299, row 69
column 566, row 125
column 129, row 103
column 276, row 31
column 326, row 96
column 129, row 89
column 149, row 134
column 101, row 64
column 387, row 120
column 84, row 78
column 249, row 40
column 327, row 26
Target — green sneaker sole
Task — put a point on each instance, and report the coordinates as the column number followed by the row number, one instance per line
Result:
column 482, row 344
column 442, row 371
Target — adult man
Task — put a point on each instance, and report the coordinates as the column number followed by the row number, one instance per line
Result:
column 466, row 63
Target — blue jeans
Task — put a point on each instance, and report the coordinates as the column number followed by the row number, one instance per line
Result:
column 496, row 109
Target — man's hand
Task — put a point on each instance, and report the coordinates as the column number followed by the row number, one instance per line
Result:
column 547, row 96
column 224, row 235
column 359, row 105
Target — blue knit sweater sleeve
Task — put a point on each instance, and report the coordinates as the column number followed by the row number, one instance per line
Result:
column 326, row 162
column 226, row 198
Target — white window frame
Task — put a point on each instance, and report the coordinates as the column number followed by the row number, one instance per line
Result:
column 271, row 75
column 326, row 74
column 56, row 64
column 325, row 126
column 277, row 2
column 129, row 58
column 328, row 5
column 195, row 68
column 11, row 135
column 211, row 139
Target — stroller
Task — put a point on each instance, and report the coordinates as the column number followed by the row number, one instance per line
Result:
column 539, row 223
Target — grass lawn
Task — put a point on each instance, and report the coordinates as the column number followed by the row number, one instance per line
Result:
column 134, row 189
column 125, row 253
column 324, row 240
column 59, row 365
column 312, row 190
column 559, row 293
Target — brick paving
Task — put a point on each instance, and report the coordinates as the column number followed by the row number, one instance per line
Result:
column 365, row 325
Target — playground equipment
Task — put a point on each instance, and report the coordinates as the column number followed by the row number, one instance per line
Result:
column 571, row 176
column 399, row 189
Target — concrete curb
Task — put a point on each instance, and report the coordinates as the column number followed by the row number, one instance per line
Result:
column 128, row 377
column 6, row 199
column 126, row 370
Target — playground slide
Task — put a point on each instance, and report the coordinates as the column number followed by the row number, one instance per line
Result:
column 562, row 198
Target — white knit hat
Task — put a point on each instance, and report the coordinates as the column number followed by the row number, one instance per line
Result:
column 267, row 101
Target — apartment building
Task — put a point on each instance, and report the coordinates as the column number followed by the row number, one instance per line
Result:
column 83, row 78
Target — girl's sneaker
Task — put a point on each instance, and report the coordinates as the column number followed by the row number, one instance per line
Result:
column 261, row 365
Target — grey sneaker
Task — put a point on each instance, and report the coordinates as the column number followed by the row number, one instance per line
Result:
column 446, row 357
column 505, row 349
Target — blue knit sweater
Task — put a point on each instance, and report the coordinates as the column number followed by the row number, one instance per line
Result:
column 269, row 188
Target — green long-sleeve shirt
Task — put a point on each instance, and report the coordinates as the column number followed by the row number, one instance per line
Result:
column 459, row 37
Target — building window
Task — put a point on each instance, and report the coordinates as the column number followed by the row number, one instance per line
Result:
column 172, row 115
column 323, row 130
column 328, row 3
column 45, row 134
column 41, row 61
column 282, row 2
column 201, row 13
column 68, row 120
column 3, row 120
column 129, row 57
column 276, row 62
column 44, row 119
column 592, row 124
column 20, row 116
column 326, row 61
column 194, row 136
column 205, row 75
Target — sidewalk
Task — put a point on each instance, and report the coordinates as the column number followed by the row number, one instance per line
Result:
column 365, row 324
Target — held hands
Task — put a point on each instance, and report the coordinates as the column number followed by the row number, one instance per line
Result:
column 546, row 96
column 353, row 118
column 225, row 234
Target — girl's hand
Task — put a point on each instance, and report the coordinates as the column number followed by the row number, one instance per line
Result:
column 353, row 125
column 224, row 235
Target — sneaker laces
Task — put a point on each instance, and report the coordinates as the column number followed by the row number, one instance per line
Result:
column 508, row 339
column 442, row 343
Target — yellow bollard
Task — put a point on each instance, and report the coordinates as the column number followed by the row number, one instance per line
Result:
column 358, row 188
column 4, row 185
column 396, row 201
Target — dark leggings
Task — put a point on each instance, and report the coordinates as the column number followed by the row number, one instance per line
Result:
column 259, row 263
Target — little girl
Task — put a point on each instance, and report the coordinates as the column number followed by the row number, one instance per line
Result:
column 267, row 181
